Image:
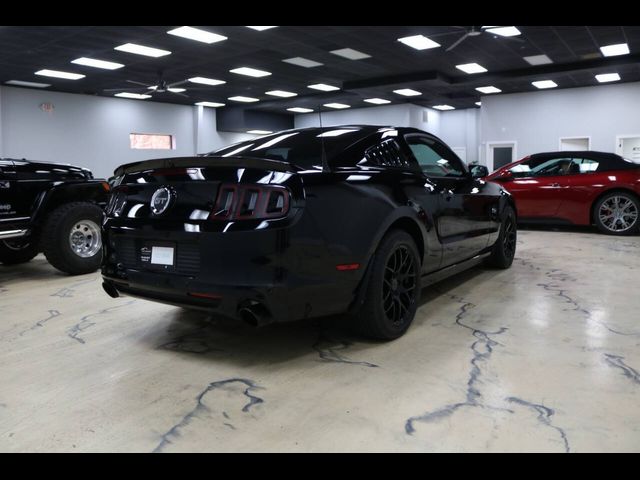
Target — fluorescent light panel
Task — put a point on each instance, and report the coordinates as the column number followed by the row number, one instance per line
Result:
column 174, row 90
column 443, row 107
column 419, row 42
column 323, row 86
column 489, row 89
column 137, row 96
column 142, row 50
column 614, row 50
column 92, row 62
column 59, row 74
column 350, row 53
column 504, row 31
column 471, row 68
column 607, row 77
column 377, row 101
column 479, row 104
column 300, row 110
column 21, row 83
column 260, row 29
column 260, row 132
column 538, row 60
column 281, row 93
column 337, row 106
column 544, row 84
column 206, row 81
column 240, row 98
column 407, row 92
column 210, row 104
column 197, row 35
column 302, row 62
column 250, row 72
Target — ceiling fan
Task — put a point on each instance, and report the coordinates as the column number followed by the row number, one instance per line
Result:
column 476, row 31
column 161, row 86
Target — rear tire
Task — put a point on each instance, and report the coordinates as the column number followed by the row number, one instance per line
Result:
column 71, row 238
column 505, row 247
column 617, row 213
column 393, row 290
column 19, row 250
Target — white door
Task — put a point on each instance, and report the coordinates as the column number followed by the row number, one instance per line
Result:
column 628, row 147
column 500, row 153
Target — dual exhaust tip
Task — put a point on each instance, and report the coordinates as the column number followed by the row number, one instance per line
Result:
column 252, row 313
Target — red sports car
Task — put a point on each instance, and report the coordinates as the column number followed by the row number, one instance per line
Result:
column 580, row 188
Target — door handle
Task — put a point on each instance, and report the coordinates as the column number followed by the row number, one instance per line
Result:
column 555, row 185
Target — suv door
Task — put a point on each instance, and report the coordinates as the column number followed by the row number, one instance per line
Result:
column 8, row 190
column 463, row 220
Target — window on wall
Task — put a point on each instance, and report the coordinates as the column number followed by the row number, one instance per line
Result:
column 152, row 141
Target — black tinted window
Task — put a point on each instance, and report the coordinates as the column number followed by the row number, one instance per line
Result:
column 434, row 159
column 302, row 148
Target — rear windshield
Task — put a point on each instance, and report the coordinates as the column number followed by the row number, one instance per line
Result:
column 302, row 148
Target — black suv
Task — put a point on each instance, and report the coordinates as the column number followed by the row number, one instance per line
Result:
column 51, row 208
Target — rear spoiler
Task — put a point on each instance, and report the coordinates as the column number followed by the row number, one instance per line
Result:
column 213, row 161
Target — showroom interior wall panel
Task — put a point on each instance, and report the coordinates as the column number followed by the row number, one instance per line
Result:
column 460, row 128
column 537, row 120
column 93, row 131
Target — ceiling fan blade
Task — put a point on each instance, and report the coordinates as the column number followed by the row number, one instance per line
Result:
column 178, row 93
column 138, row 83
column 126, row 89
column 457, row 42
column 175, row 84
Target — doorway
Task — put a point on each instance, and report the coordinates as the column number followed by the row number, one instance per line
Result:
column 628, row 146
column 575, row 144
column 500, row 153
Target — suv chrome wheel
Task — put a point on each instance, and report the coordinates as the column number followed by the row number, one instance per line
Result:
column 85, row 239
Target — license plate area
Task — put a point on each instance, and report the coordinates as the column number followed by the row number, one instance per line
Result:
column 155, row 255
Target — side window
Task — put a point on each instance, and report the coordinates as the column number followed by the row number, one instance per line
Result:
column 543, row 167
column 434, row 159
column 583, row 165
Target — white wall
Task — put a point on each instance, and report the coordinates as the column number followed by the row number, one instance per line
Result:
column 93, row 132
column 405, row 115
column 537, row 120
column 461, row 128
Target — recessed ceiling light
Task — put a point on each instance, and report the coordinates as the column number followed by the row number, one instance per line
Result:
column 613, row 50
column 261, row 28
column 323, row 86
column 544, row 84
column 300, row 110
column 538, row 60
column 337, row 106
column 419, row 42
column 608, row 77
column 58, row 74
column 302, row 62
column 407, row 92
column 479, row 104
column 260, row 132
column 281, row 93
column 137, row 96
column 504, row 31
column 443, row 107
column 250, row 72
column 28, row 84
column 142, row 50
column 377, row 101
column 197, row 35
column 206, row 81
column 210, row 104
column 92, row 62
column 489, row 89
column 240, row 98
column 471, row 68
column 350, row 53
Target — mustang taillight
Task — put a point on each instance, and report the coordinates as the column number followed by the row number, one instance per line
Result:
column 251, row 202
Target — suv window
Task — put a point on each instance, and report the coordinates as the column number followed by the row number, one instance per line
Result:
column 544, row 167
column 435, row 159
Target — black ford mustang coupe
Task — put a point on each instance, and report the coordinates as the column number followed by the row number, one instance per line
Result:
column 305, row 223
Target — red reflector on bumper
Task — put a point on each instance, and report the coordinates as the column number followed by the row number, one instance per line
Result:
column 347, row 266
column 212, row 296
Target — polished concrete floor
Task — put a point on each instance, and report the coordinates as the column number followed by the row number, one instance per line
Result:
column 542, row 357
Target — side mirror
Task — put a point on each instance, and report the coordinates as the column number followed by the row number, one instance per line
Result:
column 479, row 171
